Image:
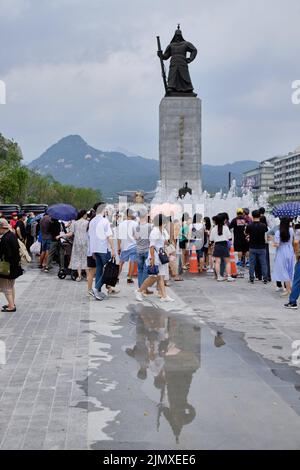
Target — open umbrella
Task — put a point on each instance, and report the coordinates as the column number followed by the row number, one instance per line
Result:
column 288, row 209
column 63, row 212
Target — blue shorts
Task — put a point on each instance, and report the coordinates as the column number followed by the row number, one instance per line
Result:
column 45, row 245
column 129, row 255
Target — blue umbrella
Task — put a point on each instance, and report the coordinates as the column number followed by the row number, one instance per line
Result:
column 62, row 212
column 288, row 209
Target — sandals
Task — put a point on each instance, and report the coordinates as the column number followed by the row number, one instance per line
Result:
column 5, row 309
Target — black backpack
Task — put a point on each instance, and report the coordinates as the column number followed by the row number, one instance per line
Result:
column 110, row 275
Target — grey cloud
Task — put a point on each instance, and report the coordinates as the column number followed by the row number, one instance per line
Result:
column 89, row 66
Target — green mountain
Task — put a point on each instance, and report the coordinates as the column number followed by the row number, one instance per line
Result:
column 73, row 161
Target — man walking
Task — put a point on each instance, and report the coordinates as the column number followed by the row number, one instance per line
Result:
column 127, row 244
column 100, row 245
column 257, row 246
column 46, row 239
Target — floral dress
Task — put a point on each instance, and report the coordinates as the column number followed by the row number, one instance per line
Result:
column 80, row 245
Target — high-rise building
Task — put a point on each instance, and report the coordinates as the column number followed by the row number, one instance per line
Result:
column 287, row 176
column 278, row 176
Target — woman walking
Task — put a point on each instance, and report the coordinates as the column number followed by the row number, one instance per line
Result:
column 10, row 265
column 220, row 235
column 283, row 269
column 158, row 239
column 196, row 237
column 80, row 245
column 183, row 241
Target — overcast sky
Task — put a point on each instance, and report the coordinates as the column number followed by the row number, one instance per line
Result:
column 89, row 67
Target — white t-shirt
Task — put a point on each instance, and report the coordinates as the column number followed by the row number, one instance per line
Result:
column 158, row 238
column 125, row 231
column 98, row 233
column 226, row 235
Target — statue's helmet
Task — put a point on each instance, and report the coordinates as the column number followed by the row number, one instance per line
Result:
column 178, row 35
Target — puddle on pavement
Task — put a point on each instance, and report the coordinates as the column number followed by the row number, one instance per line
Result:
column 167, row 352
column 157, row 376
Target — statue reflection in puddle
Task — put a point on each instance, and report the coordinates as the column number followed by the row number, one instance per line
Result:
column 168, row 349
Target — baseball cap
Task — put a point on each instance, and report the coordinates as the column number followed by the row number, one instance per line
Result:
column 239, row 211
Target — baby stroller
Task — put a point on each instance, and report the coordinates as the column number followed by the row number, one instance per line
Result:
column 65, row 250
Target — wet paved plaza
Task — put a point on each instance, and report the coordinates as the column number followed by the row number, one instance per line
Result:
column 210, row 371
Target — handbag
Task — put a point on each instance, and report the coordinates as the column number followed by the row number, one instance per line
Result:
column 110, row 275
column 163, row 257
column 4, row 268
column 24, row 255
column 152, row 270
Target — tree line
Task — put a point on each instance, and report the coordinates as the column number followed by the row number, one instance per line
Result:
column 21, row 185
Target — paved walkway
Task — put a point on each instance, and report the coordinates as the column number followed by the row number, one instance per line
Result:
column 116, row 374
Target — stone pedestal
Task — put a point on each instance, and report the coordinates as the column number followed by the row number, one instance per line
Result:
column 180, row 143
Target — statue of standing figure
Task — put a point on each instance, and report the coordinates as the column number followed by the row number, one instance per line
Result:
column 179, row 81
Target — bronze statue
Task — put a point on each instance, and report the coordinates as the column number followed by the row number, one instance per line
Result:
column 179, row 81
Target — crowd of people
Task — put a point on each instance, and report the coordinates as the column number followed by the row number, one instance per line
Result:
column 159, row 245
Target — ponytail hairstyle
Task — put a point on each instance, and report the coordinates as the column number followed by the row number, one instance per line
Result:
column 285, row 230
column 219, row 221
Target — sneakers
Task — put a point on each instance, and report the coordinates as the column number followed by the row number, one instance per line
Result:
column 167, row 299
column 139, row 296
column 291, row 306
column 46, row 270
column 99, row 295
column 220, row 279
column 251, row 281
column 210, row 271
column 230, row 279
column 91, row 293
column 130, row 281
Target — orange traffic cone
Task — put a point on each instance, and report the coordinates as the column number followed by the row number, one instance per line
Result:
column 194, row 262
column 234, row 271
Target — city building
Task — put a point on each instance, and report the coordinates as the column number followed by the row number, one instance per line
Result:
column 278, row 176
column 287, row 176
column 260, row 179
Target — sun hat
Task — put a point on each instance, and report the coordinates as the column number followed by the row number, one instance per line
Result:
column 4, row 223
column 239, row 211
